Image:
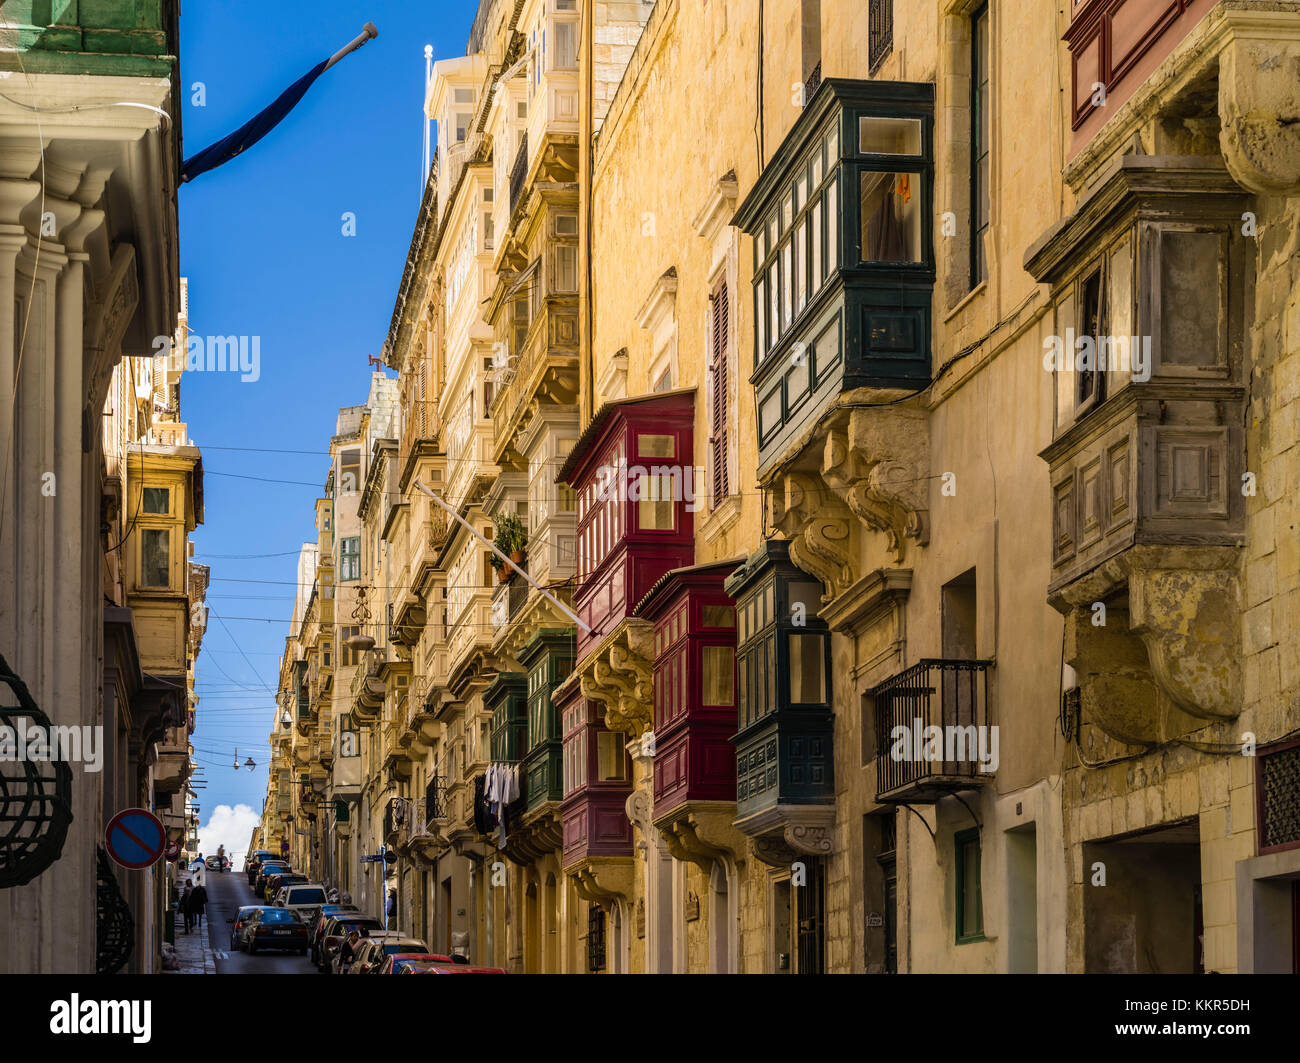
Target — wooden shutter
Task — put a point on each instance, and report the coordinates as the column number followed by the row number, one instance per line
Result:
column 719, row 480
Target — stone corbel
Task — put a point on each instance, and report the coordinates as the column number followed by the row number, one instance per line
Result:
column 786, row 833
column 702, row 835
column 1259, row 111
column 879, row 463
column 620, row 677
column 1188, row 620
column 819, row 528
column 604, row 880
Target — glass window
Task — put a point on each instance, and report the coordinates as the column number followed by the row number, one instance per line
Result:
column 816, row 247
column 832, row 227
column 970, row 903
column 890, row 206
column 155, row 557
column 889, row 136
column 656, row 446
column 807, row 671
column 157, row 500
column 566, row 225
column 719, row 616
column 719, row 664
column 611, row 761
column 801, row 266
column 350, row 558
column 350, row 471
column 566, row 268
column 566, row 54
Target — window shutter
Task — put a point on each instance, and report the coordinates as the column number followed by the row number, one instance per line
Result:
column 718, row 373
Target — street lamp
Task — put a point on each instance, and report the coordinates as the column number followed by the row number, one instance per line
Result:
column 286, row 720
column 250, row 764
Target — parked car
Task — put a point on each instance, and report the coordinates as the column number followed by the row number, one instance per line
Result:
column 396, row 961
column 445, row 968
column 304, row 899
column 274, row 883
column 335, row 931
column 274, row 928
column 237, row 925
column 265, row 869
column 327, row 911
column 378, row 947
column 253, row 863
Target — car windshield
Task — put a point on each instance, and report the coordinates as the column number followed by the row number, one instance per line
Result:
column 278, row 915
column 306, row 895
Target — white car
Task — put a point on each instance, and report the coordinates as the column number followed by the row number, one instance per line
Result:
column 303, row 899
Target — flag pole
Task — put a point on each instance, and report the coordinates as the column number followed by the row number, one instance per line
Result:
column 368, row 32
column 491, row 546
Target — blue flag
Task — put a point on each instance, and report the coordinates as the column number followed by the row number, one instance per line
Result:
column 252, row 131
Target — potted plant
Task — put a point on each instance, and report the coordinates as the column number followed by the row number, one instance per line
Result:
column 511, row 538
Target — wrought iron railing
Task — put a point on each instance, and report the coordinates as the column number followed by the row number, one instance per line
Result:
column 811, row 86
column 435, row 799
column 951, row 695
column 880, row 33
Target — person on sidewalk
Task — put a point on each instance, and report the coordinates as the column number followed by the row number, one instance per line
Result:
column 348, row 952
column 198, row 901
column 185, row 905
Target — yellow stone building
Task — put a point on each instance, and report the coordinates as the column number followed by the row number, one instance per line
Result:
column 893, row 430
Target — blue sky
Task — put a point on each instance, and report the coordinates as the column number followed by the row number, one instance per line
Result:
column 263, row 247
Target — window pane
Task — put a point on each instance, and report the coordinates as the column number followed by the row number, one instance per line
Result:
column 801, row 266
column 719, row 616
column 565, row 53
column 157, row 500
column 832, row 227
column 816, row 247
column 891, row 217
column 657, row 511
column 656, row 446
column 719, row 663
column 807, row 677
column 566, row 268
column 609, row 754
column 155, row 558
column 889, row 136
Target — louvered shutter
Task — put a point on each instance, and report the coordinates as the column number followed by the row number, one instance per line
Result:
column 719, row 479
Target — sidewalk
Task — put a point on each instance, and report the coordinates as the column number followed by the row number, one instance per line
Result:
column 193, row 950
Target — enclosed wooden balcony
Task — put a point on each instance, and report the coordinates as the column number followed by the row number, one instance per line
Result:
column 842, row 219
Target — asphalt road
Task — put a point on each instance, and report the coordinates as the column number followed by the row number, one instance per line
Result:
column 227, row 892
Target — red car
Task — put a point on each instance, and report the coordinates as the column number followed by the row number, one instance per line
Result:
column 395, row 963
column 455, row 968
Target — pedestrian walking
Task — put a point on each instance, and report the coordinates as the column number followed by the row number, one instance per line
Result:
column 198, row 902
column 185, row 907
column 391, row 910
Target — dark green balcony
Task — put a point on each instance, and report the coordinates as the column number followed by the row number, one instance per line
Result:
column 507, row 699
column 842, row 220
column 785, row 775
column 548, row 655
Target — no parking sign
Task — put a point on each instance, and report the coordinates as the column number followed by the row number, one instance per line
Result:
column 135, row 838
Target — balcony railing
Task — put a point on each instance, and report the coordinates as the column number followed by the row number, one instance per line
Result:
column 396, row 820
column 518, row 172
column 435, row 799
column 950, row 695
column 421, row 426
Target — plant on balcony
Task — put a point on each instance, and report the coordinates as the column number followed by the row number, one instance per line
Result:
column 510, row 537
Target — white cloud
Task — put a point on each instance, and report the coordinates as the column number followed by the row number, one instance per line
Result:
column 231, row 827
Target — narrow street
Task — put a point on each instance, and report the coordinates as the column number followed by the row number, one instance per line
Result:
column 226, row 893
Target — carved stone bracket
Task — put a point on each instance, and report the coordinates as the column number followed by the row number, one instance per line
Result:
column 865, row 468
column 1259, row 131
column 783, row 834
column 604, row 879
column 1183, row 604
column 619, row 675
column 702, row 833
